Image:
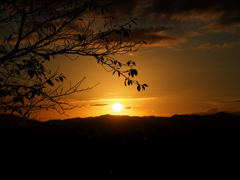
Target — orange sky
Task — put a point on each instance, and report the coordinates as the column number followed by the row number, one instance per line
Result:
column 191, row 62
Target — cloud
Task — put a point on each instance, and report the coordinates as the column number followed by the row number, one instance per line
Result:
column 231, row 44
column 219, row 13
column 154, row 36
column 208, row 111
column 127, row 107
column 98, row 104
column 193, row 33
column 86, row 100
column 226, row 101
column 207, row 46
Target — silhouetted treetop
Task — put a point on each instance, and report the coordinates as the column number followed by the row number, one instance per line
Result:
column 33, row 32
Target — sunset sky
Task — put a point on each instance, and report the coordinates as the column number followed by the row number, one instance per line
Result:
column 190, row 63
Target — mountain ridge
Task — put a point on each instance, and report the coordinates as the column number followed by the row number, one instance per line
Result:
column 115, row 124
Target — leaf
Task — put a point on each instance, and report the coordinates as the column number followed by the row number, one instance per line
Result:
column 125, row 34
column 119, row 73
column 50, row 82
column 114, row 72
column 33, row 94
column 80, row 19
column 26, row 96
column 106, row 47
column 145, row 85
column 60, row 78
column 46, row 57
column 54, row 28
column 31, row 73
column 138, row 87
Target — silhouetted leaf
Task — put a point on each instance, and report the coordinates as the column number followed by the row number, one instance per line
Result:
column 31, row 72
column 50, row 82
column 138, row 87
column 54, row 28
column 145, row 85
column 30, row 64
column 33, row 94
column 46, row 57
column 119, row 73
column 106, row 47
column 60, row 78
column 125, row 34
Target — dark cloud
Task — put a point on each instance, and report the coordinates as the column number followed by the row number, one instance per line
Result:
column 231, row 44
column 155, row 36
column 98, row 104
column 127, row 107
column 207, row 46
column 222, row 12
column 208, row 112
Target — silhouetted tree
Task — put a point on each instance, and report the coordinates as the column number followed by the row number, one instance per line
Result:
column 32, row 32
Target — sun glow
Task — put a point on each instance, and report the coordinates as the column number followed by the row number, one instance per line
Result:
column 117, row 107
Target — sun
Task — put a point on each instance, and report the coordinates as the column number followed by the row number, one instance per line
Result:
column 117, row 107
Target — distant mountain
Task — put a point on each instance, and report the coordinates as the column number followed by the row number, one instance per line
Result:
column 112, row 124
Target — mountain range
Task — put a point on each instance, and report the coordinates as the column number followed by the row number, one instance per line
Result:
column 113, row 124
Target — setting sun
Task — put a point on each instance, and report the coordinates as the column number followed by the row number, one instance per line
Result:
column 117, row 107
